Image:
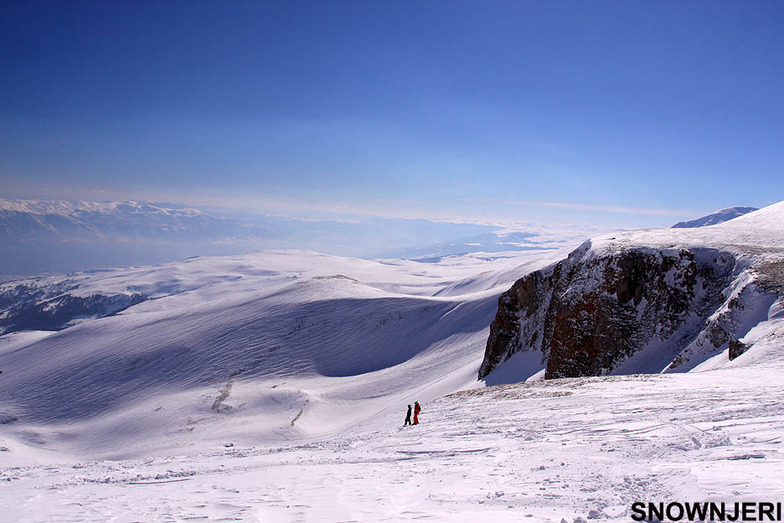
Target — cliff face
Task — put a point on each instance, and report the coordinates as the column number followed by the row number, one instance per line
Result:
column 631, row 310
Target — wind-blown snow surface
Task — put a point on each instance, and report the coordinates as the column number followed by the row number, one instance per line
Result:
column 544, row 451
column 261, row 348
column 272, row 387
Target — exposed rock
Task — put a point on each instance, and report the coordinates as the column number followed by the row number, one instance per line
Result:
column 30, row 306
column 737, row 348
column 633, row 310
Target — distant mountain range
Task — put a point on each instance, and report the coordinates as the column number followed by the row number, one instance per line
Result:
column 714, row 218
column 58, row 236
column 35, row 220
column 41, row 236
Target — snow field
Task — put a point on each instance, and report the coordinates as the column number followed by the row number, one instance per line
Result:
column 273, row 386
column 268, row 347
column 535, row 452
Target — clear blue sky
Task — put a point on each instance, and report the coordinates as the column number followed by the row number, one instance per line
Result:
column 625, row 113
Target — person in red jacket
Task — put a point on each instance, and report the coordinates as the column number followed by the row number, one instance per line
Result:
column 417, row 408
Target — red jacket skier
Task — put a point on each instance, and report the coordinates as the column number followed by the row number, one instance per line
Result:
column 417, row 408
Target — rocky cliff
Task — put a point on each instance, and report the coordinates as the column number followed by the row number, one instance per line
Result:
column 640, row 302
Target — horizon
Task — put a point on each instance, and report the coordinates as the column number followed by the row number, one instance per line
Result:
column 345, row 215
column 604, row 115
column 57, row 236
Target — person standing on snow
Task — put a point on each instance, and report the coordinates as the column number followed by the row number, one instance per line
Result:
column 408, row 417
column 417, row 408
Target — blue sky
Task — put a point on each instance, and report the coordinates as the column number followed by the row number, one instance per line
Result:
column 607, row 113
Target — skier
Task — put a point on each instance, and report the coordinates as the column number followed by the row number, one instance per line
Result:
column 417, row 408
column 408, row 417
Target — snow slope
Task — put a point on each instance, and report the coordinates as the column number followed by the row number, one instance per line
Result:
column 272, row 387
column 714, row 218
column 260, row 348
column 549, row 451
column 761, row 231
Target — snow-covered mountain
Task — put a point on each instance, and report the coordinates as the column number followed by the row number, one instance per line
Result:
column 273, row 386
column 44, row 237
column 643, row 302
column 232, row 344
column 56, row 236
column 53, row 305
column 38, row 220
column 714, row 218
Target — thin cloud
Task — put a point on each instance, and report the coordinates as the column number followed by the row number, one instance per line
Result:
column 607, row 208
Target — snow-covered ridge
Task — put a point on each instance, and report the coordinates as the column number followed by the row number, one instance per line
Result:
column 36, row 220
column 56, row 304
column 759, row 233
column 715, row 218
column 44, row 237
column 642, row 301
column 270, row 346
column 274, row 385
column 65, row 208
